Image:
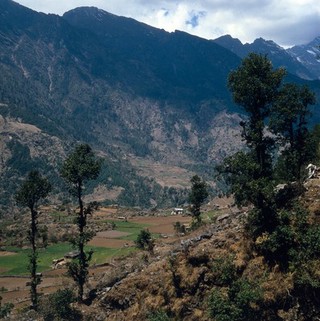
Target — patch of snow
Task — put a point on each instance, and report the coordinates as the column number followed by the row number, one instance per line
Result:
column 312, row 52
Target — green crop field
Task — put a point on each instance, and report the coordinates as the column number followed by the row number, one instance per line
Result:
column 17, row 263
column 133, row 229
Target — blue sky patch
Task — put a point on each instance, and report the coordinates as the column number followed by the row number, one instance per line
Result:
column 194, row 18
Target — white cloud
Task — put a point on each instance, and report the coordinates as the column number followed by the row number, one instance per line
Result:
column 287, row 22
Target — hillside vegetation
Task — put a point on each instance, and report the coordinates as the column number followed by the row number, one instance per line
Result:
column 97, row 110
column 256, row 261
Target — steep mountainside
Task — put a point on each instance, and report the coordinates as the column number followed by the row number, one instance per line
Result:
column 278, row 55
column 308, row 55
column 128, row 89
column 60, row 84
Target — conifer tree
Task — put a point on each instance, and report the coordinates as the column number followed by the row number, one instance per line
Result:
column 197, row 196
column 269, row 105
column 289, row 117
column 32, row 190
column 80, row 167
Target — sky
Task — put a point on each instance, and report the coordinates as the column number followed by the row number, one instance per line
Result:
column 286, row 22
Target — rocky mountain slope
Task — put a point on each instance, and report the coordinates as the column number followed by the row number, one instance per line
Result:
column 278, row 55
column 128, row 89
column 308, row 55
column 180, row 278
column 300, row 60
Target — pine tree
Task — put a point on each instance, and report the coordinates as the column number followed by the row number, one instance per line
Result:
column 33, row 189
column 80, row 167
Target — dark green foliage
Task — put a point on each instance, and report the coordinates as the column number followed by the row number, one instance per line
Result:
column 310, row 243
column 239, row 302
column 307, row 288
column 254, row 86
column 294, row 241
column 315, row 139
column 136, row 192
column 220, row 308
column 245, row 295
column 159, row 316
column 32, row 190
column 242, row 173
column 179, row 228
column 281, row 230
column 261, row 221
column 20, row 160
column 277, row 246
column 225, row 272
column 289, row 118
column 251, row 174
column 57, row 307
column 197, row 196
column 144, row 240
column 5, row 309
column 80, row 167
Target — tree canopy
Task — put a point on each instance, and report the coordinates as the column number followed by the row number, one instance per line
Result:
column 34, row 188
column 80, row 166
column 198, row 194
column 255, row 86
column 276, row 136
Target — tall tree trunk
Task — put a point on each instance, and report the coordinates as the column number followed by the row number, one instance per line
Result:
column 82, row 258
column 33, row 260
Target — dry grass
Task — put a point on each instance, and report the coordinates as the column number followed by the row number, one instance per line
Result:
column 164, row 174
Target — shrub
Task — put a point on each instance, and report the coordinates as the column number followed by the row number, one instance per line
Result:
column 5, row 309
column 307, row 289
column 144, row 240
column 240, row 302
column 277, row 246
column 179, row 228
column 158, row 316
column 221, row 309
column 224, row 270
column 57, row 306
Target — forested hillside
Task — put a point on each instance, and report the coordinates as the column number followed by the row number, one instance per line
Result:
column 148, row 101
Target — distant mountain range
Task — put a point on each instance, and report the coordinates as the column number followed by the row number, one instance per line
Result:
column 301, row 60
column 148, row 101
column 309, row 56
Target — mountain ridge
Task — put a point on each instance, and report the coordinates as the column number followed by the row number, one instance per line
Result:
column 128, row 89
column 280, row 57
